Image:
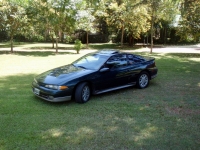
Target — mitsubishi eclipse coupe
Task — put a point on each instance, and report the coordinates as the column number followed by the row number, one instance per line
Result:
column 94, row 73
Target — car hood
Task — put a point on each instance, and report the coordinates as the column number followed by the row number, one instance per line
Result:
column 62, row 74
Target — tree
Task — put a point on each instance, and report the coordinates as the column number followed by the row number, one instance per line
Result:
column 155, row 6
column 52, row 17
column 130, row 16
column 85, row 19
column 139, row 23
column 13, row 19
column 190, row 22
column 161, row 10
column 59, row 17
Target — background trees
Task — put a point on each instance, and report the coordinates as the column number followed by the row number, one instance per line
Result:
column 163, row 13
column 129, row 16
column 54, row 17
column 13, row 18
column 190, row 20
column 85, row 19
column 53, row 20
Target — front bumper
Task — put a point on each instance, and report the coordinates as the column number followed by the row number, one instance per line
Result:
column 52, row 99
column 49, row 97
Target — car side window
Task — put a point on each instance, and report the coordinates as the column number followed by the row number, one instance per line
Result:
column 130, row 59
column 117, row 61
column 133, row 59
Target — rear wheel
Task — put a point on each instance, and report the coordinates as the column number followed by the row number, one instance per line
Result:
column 143, row 80
column 82, row 93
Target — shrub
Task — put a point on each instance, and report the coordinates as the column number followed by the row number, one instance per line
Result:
column 78, row 45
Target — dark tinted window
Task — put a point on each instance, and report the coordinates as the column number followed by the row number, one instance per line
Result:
column 134, row 59
column 117, row 61
column 130, row 59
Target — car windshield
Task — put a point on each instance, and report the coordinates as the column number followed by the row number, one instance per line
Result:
column 91, row 61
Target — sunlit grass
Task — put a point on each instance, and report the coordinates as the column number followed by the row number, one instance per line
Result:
column 163, row 116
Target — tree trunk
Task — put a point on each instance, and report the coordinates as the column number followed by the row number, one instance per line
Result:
column 152, row 26
column 87, row 39
column 56, row 45
column 52, row 41
column 131, row 40
column 62, row 37
column 11, row 43
column 165, row 36
column 122, row 36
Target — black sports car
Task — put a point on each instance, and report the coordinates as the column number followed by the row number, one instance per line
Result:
column 94, row 73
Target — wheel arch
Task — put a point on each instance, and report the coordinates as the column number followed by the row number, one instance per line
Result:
column 87, row 81
column 148, row 71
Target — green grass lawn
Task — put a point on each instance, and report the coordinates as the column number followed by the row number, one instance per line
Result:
column 166, row 115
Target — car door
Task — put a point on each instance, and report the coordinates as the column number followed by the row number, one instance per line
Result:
column 120, row 71
column 135, row 67
column 117, row 75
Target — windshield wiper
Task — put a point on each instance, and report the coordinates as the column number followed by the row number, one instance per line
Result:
column 78, row 66
column 81, row 67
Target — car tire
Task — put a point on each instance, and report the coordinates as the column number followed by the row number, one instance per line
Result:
column 143, row 80
column 82, row 93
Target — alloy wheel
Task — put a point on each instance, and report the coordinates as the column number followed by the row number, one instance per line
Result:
column 143, row 80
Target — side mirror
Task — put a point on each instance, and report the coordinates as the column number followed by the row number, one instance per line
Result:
column 104, row 69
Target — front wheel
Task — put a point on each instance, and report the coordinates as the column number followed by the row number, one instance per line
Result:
column 82, row 93
column 143, row 80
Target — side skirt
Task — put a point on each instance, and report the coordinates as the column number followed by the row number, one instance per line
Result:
column 115, row 88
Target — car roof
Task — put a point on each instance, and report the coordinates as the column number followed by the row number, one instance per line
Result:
column 108, row 52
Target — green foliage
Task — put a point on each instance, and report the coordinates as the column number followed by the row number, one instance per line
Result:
column 77, row 45
column 47, row 19
column 56, row 18
column 85, row 19
column 190, row 22
column 68, row 39
column 13, row 19
column 128, row 16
